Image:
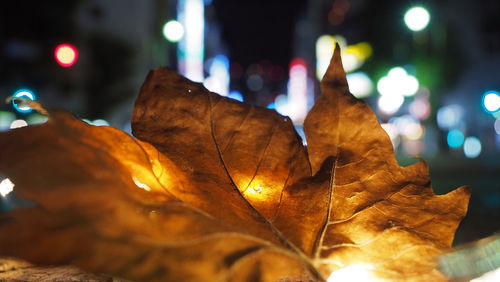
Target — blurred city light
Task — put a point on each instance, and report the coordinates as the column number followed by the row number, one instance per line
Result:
column 36, row 118
column 398, row 82
column 100, row 122
column 23, row 93
column 281, row 105
column 66, row 55
column 390, row 104
column 420, row 108
column 497, row 126
column 449, row 116
column 491, row 101
column 353, row 56
column 255, row 82
column 297, row 90
column 392, row 131
column 360, row 84
column 218, row 79
column 455, row 138
column 190, row 14
column 236, row 95
column 18, row 123
column 414, row 131
column 472, row 147
column 173, row 31
column 6, row 118
column 6, row 187
column 417, row 18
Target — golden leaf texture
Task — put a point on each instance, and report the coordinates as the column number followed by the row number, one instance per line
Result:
column 211, row 189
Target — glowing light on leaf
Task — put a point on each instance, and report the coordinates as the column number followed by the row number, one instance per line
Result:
column 353, row 272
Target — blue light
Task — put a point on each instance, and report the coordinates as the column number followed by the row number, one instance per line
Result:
column 23, row 93
column 271, row 106
column 236, row 95
column 472, row 147
column 455, row 138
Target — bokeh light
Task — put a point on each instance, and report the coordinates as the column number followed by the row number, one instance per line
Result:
column 398, row 82
column 18, row 123
column 66, row 55
column 23, row 93
column 360, row 84
column 449, row 116
column 472, row 147
column 6, row 187
column 417, row 18
column 173, row 31
column 491, row 101
column 455, row 138
column 390, row 104
column 236, row 95
column 6, row 118
column 497, row 126
column 255, row 82
column 420, row 108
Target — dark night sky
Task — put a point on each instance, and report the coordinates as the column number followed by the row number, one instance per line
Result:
column 259, row 29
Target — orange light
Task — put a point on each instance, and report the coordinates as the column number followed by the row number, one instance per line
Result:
column 66, row 55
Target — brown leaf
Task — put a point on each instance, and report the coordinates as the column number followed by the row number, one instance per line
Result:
column 221, row 190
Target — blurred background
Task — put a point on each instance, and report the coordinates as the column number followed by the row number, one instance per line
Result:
column 429, row 69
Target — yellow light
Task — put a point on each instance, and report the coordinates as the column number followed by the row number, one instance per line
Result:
column 6, row 186
column 353, row 272
column 257, row 189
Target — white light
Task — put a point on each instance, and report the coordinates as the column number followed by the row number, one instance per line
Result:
column 173, row 31
column 6, row 186
column 297, row 91
column 218, row 80
column 140, row 184
column 491, row 101
column 398, row 82
column 417, row 18
column 491, row 276
column 360, row 85
column 18, row 123
column 497, row 126
column 472, row 147
column 390, row 104
column 191, row 47
column 100, row 122
column 449, row 116
column 353, row 272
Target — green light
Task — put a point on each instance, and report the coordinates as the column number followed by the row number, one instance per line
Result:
column 417, row 18
column 173, row 31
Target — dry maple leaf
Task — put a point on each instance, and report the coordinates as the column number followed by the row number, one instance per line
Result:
column 216, row 190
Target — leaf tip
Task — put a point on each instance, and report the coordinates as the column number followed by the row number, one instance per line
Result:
column 335, row 74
